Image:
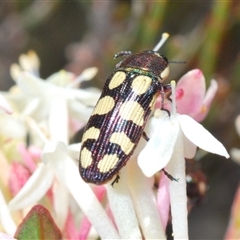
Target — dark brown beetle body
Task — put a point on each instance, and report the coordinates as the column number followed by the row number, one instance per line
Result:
column 118, row 120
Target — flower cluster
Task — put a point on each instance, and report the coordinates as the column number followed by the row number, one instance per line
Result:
column 44, row 115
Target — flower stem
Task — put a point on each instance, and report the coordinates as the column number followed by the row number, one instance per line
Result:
column 122, row 208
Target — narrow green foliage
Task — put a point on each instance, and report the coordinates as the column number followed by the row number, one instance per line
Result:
column 150, row 29
column 215, row 30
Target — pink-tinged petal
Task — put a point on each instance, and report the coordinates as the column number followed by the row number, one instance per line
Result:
column 35, row 153
column 75, row 125
column 6, row 220
column 163, row 199
column 203, row 111
column 100, row 192
column 27, row 158
column 70, row 230
column 4, row 236
column 85, row 228
column 233, row 231
column 19, row 175
column 34, row 189
column 5, row 106
column 190, row 92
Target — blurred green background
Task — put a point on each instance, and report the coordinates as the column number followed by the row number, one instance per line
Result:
column 75, row 35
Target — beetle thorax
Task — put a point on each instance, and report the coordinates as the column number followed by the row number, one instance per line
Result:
column 150, row 61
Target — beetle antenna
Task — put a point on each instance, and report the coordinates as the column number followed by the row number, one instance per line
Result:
column 161, row 42
column 177, row 62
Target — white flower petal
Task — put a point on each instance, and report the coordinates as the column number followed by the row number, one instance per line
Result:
column 74, row 150
column 121, row 205
column 31, row 107
column 55, row 155
column 86, row 75
column 197, row 134
column 15, row 71
column 235, row 154
column 31, row 85
column 34, row 189
column 61, row 78
column 144, row 202
column 89, row 73
column 211, row 92
column 177, row 189
column 5, row 105
column 237, row 124
column 4, row 236
column 79, row 110
column 159, row 148
column 85, row 96
column 12, row 127
column 25, row 62
column 189, row 148
column 6, row 220
column 61, row 203
column 58, row 120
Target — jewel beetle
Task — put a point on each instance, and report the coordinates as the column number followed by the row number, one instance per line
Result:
column 120, row 115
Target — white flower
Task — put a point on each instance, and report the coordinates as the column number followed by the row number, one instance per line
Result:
column 47, row 106
column 57, row 163
column 53, row 103
column 173, row 138
column 5, row 217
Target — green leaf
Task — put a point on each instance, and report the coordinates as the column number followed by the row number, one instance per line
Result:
column 38, row 224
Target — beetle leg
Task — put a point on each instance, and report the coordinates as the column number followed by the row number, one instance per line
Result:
column 170, row 176
column 145, row 136
column 115, row 180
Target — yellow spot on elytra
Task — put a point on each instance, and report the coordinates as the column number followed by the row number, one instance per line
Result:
column 132, row 111
column 141, row 84
column 123, row 141
column 91, row 133
column 117, row 80
column 107, row 163
column 104, row 105
column 85, row 158
column 152, row 103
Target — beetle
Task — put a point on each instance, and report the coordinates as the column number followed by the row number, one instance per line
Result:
column 120, row 115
